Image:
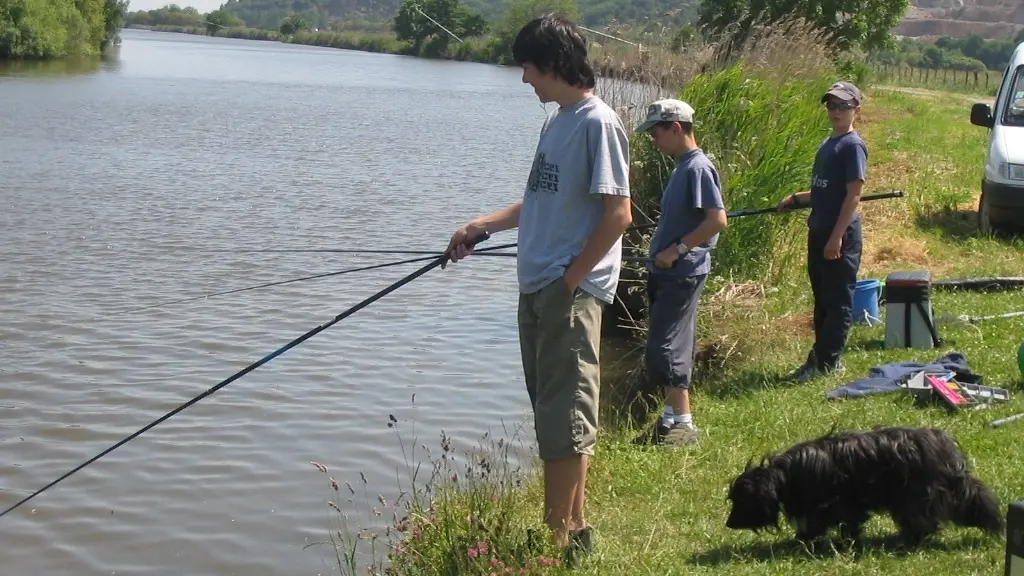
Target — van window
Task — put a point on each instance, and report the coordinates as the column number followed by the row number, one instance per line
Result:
column 1014, row 110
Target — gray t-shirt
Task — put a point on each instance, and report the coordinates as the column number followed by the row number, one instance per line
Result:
column 582, row 154
column 693, row 187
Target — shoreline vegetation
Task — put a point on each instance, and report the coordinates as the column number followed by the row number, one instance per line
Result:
column 56, row 29
column 611, row 60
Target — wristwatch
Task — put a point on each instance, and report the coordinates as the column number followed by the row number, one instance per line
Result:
column 683, row 248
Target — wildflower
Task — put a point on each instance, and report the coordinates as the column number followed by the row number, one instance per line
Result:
column 482, row 546
column 494, row 562
column 473, row 552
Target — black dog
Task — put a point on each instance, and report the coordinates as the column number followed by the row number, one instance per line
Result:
column 917, row 475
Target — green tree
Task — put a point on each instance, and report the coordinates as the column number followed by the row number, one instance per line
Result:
column 684, row 37
column 221, row 19
column 114, row 14
column 292, row 24
column 517, row 14
column 43, row 29
column 865, row 24
column 412, row 25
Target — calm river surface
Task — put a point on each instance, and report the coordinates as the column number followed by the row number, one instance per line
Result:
column 110, row 183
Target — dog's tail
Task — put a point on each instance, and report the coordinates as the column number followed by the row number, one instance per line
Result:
column 976, row 506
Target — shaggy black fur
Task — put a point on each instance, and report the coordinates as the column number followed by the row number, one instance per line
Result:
column 919, row 476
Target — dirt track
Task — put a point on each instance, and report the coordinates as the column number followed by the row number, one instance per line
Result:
column 936, row 93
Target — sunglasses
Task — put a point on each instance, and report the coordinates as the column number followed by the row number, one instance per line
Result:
column 840, row 105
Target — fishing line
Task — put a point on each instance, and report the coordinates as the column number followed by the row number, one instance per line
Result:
column 432, row 254
column 651, row 224
column 435, row 262
column 313, row 277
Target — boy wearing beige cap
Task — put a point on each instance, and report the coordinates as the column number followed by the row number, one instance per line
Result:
column 692, row 216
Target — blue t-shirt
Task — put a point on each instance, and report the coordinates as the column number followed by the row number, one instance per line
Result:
column 840, row 160
column 693, row 187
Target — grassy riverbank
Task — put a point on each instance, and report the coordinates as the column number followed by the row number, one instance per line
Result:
column 663, row 512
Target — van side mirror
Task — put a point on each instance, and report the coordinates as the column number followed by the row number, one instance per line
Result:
column 981, row 115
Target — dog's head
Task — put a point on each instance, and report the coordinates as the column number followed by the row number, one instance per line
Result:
column 755, row 499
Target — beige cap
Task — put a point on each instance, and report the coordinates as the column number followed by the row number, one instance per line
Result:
column 667, row 110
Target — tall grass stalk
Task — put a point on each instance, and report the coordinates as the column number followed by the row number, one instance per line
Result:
column 465, row 517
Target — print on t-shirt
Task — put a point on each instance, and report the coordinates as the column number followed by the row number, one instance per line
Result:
column 543, row 176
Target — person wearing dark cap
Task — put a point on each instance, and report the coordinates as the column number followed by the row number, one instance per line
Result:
column 834, row 237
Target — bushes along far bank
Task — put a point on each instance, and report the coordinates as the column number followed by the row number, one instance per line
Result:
column 48, row 29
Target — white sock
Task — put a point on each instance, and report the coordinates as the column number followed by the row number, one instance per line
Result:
column 667, row 418
column 686, row 419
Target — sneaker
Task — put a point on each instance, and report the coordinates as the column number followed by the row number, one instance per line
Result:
column 805, row 373
column 581, row 544
column 655, row 435
column 681, row 435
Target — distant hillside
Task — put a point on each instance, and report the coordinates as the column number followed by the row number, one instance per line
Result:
column 270, row 13
column 989, row 19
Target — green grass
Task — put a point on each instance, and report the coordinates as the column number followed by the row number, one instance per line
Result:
column 663, row 512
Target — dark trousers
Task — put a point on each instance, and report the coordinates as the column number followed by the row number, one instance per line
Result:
column 833, row 283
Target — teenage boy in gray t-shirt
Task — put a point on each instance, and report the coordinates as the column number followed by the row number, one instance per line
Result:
column 692, row 216
column 571, row 219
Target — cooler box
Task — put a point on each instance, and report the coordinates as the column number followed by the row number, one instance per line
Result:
column 908, row 311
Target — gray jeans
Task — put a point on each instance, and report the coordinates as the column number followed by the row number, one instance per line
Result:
column 672, row 324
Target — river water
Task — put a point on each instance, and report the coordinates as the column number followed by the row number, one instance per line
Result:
column 115, row 186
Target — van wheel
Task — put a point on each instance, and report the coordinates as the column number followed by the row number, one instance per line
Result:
column 984, row 216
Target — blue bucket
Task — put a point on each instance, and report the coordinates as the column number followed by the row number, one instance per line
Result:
column 865, row 301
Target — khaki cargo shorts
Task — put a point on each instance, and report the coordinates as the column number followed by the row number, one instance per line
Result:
column 560, row 336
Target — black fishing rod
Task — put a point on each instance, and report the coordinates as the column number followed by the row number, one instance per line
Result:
column 434, row 253
column 513, row 255
column 313, row 277
column 774, row 209
column 435, row 262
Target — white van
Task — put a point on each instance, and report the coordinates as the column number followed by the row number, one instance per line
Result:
column 1002, row 188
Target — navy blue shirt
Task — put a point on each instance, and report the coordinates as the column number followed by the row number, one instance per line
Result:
column 693, row 187
column 840, row 159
